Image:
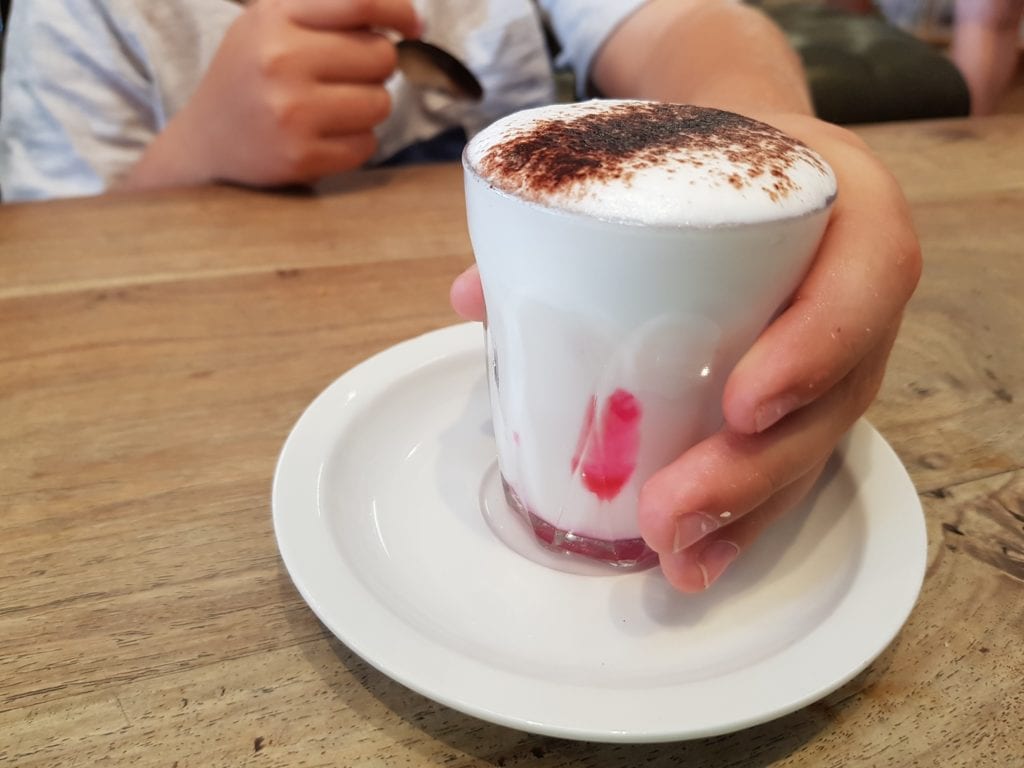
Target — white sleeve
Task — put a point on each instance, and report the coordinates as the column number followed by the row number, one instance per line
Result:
column 582, row 26
column 76, row 105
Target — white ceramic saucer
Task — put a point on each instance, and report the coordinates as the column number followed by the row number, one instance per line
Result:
column 377, row 516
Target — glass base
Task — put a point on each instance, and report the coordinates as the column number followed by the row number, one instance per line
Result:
column 535, row 538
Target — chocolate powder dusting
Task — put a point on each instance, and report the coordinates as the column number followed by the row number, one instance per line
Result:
column 558, row 155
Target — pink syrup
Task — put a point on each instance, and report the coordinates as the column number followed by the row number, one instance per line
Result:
column 607, row 447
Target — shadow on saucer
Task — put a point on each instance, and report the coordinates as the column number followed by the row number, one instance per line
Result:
column 669, row 608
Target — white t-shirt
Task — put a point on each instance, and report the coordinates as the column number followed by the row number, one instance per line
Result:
column 88, row 84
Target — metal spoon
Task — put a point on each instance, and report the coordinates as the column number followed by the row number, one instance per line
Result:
column 427, row 66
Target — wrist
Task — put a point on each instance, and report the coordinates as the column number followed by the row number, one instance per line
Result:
column 176, row 157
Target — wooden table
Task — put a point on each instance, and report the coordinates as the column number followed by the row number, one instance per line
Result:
column 156, row 350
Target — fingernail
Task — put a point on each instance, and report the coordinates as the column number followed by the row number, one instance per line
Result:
column 770, row 413
column 715, row 558
column 691, row 528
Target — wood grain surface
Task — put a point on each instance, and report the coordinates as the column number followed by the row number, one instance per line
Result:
column 155, row 351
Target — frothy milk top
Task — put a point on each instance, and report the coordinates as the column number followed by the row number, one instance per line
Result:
column 652, row 163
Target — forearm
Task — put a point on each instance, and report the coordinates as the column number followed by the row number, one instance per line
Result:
column 714, row 53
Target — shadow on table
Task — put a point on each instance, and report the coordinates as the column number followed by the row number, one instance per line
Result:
column 450, row 731
column 342, row 184
column 350, row 183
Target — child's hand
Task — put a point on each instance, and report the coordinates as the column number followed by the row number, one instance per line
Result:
column 292, row 95
column 806, row 380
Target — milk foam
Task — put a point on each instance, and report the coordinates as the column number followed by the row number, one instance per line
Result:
column 652, row 164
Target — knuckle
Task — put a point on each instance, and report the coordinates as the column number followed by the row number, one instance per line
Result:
column 275, row 61
column 291, row 126
column 285, row 112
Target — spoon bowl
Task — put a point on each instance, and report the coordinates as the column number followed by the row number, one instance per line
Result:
column 426, row 65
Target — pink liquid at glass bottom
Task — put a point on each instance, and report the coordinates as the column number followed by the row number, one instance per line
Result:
column 626, row 553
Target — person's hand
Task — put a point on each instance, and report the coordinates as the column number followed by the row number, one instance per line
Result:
column 292, row 95
column 805, row 381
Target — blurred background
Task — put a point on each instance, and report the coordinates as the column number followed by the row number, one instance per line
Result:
column 881, row 60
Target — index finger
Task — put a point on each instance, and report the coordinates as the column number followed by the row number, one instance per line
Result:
column 398, row 15
column 467, row 295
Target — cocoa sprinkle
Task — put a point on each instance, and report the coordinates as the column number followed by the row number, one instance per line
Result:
column 560, row 154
